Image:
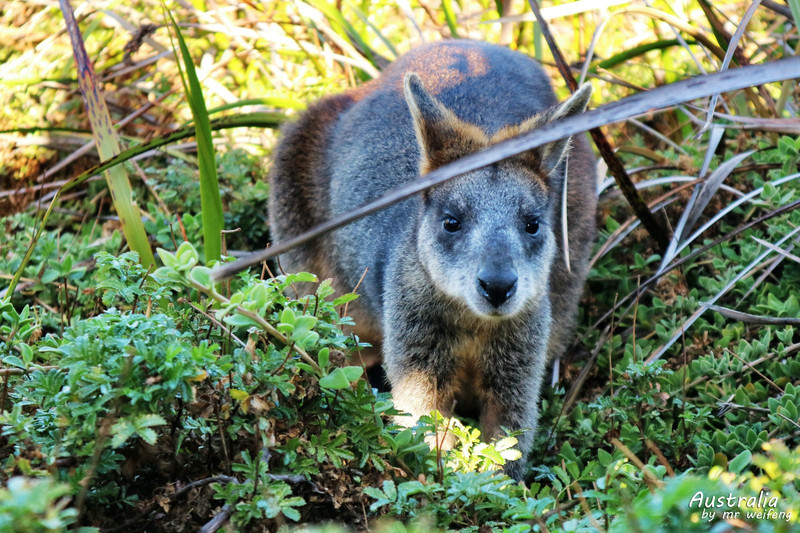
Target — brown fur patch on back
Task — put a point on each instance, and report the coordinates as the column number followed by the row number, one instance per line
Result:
column 452, row 65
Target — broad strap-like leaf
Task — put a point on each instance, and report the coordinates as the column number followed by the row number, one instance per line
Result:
column 105, row 137
column 210, row 201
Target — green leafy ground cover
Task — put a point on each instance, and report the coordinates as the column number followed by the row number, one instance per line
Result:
column 152, row 399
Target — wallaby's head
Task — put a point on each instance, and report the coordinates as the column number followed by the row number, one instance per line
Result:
column 487, row 238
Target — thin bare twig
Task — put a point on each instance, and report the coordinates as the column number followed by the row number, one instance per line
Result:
column 747, row 318
column 219, row 520
column 652, row 481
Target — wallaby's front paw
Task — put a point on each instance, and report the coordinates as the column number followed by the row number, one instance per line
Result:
column 515, row 469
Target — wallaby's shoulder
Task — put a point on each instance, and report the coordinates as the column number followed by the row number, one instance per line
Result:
column 299, row 173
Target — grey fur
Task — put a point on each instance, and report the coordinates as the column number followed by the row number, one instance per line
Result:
column 468, row 316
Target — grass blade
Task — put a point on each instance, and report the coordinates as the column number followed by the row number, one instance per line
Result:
column 361, row 15
column 781, row 251
column 749, row 318
column 210, row 201
column 794, row 5
column 684, row 223
column 271, row 101
column 254, row 120
column 745, row 198
column 450, row 17
column 636, row 51
column 732, row 48
column 566, row 9
column 343, row 27
column 612, row 161
column 711, row 185
column 107, row 143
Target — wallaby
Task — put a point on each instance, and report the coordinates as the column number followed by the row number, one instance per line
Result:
column 468, row 290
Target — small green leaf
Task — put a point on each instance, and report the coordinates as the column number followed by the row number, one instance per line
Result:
column 259, row 296
column 390, row 489
column 288, row 317
column 306, row 341
column 303, row 325
column 353, row 372
column 790, row 409
column 300, row 277
column 335, row 380
column 13, row 360
column 169, row 259
column 323, row 357
column 290, row 513
column 740, row 462
column 122, row 430
column 511, row 454
column 49, row 276
column 27, row 353
column 148, row 435
column 343, row 299
column 325, row 289
column 202, row 275
column 186, row 256
column 604, row 457
column 240, row 320
column 167, row 273
column 375, row 493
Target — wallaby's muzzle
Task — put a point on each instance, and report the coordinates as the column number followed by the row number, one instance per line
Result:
column 497, row 285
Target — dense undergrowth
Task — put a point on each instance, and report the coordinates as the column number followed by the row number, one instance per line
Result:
column 136, row 398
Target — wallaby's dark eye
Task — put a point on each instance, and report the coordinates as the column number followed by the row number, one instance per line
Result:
column 451, row 224
column 532, row 227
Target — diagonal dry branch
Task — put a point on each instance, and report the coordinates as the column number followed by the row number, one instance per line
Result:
column 638, row 104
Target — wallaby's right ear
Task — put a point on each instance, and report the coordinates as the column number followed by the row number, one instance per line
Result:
column 441, row 135
column 551, row 154
column 548, row 157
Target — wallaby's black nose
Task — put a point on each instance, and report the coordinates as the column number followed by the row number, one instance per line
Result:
column 497, row 286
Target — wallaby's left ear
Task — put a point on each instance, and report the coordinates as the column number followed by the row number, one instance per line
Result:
column 441, row 135
column 433, row 123
column 552, row 154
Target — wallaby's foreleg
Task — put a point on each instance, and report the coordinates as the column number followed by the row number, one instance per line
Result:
column 418, row 390
column 514, row 407
column 511, row 384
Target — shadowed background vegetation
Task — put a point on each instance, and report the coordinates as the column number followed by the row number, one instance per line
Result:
column 137, row 394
